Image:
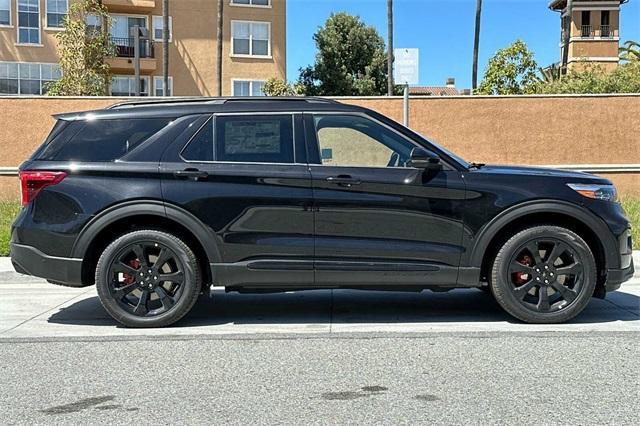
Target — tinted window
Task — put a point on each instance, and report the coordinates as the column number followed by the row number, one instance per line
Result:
column 101, row 140
column 349, row 140
column 267, row 139
column 200, row 148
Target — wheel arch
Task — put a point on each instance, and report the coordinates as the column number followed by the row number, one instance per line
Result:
column 550, row 212
column 129, row 216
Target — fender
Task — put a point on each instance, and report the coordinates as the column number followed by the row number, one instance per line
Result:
column 146, row 207
column 589, row 219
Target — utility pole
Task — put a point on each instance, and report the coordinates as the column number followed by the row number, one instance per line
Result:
column 390, row 47
column 165, row 48
column 476, row 47
column 567, row 37
column 219, row 36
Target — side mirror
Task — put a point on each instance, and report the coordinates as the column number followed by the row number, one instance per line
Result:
column 424, row 159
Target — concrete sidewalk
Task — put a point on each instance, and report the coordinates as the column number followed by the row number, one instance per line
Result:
column 32, row 308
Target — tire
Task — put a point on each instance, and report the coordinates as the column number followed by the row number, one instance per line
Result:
column 136, row 291
column 548, row 288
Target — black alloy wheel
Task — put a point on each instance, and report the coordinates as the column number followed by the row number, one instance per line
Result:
column 544, row 274
column 148, row 279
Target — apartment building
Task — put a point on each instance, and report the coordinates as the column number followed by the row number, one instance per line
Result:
column 594, row 29
column 254, row 45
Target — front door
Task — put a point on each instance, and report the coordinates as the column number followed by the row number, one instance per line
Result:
column 377, row 220
column 246, row 178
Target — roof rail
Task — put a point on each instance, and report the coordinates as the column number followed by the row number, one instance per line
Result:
column 218, row 100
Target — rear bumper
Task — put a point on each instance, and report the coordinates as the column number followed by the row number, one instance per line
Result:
column 59, row 270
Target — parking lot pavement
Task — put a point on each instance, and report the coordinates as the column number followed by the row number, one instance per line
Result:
column 30, row 307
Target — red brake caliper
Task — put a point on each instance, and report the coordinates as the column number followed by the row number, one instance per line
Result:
column 129, row 279
column 522, row 277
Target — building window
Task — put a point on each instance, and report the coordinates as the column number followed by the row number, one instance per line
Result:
column 29, row 21
column 56, row 11
column 586, row 30
column 250, row 38
column 122, row 85
column 605, row 24
column 5, row 12
column 248, row 88
column 158, row 85
column 94, row 24
column 158, row 27
column 263, row 3
column 27, row 78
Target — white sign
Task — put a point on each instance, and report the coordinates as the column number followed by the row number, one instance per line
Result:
column 405, row 66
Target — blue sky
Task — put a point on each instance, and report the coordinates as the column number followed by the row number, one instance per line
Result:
column 443, row 31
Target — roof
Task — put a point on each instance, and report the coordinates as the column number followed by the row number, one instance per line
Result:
column 171, row 107
column 561, row 4
column 433, row 91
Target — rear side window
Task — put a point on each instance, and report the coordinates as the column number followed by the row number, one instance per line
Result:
column 244, row 139
column 100, row 140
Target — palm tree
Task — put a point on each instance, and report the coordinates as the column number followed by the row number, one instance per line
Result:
column 219, row 35
column 476, row 46
column 567, row 37
column 630, row 52
column 390, row 47
column 165, row 47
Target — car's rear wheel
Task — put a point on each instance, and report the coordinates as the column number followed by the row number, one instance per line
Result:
column 148, row 278
column 544, row 274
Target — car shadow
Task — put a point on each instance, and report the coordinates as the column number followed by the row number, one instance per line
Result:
column 348, row 306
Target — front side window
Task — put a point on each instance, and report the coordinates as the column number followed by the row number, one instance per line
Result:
column 5, row 12
column 125, row 86
column 350, row 140
column 250, row 38
column 248, row 88
column 254, row 139
column 29, row 21
column 27, row 78
column 56, row 11
column 101, row 140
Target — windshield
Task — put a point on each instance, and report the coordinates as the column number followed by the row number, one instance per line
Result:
column 446, row 151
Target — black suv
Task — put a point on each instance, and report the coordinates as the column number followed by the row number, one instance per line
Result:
column 155, row 202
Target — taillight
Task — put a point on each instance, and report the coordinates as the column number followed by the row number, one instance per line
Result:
column 33, row 181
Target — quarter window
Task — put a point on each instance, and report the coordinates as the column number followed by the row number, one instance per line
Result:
column 250, row 38
column 29, row 21
column 254, row 139
column 200, row 148
column 248, row 88
column 5, row 12
column 346, row 140
column 56, row 11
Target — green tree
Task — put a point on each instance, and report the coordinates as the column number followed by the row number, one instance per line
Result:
column 82, row 51
column 594, row 79
column 511, row 71
column 351, row 60
column 630, row 51
column 278, row 87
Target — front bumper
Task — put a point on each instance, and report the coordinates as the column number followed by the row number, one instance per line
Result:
column 615, row 277
column 58, row 270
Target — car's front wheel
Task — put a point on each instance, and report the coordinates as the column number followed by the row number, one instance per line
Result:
column 148, row 278
column 544, row 274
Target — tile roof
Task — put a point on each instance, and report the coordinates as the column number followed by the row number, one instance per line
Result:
column 433, row 91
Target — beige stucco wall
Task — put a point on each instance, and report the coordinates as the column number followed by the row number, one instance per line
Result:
column 515, row 130
column 192, row 50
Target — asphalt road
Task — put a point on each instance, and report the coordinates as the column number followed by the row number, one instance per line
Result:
column 316, row 358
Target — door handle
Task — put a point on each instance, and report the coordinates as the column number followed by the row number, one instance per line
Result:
column 194, row 174
column 344, row 180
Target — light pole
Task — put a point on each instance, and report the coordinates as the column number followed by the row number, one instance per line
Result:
column 390, row 47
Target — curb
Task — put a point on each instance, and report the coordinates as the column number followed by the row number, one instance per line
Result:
column 6, row 266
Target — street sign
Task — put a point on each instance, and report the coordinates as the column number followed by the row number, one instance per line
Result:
column 405, row 66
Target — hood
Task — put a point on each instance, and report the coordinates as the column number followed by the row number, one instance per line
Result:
column 541, row 171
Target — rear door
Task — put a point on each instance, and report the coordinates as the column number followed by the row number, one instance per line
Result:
column 377, row 220
column 246, row 177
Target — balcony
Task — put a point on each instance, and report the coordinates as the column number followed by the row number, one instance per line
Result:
column 129, row 5
column 586, row 31
column 606, row 31
column 123, row 62
column 602, row 31
column 125, row 47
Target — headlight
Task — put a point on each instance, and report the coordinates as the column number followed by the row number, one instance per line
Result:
column 596, row 192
